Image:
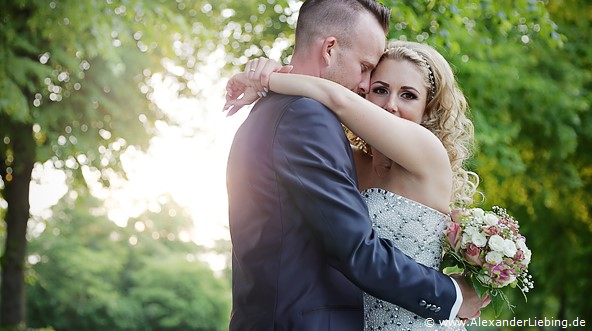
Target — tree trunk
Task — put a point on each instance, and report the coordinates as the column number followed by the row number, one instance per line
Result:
column 17, row 178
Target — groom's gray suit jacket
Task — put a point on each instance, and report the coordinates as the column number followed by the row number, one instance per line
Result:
column 303, row 245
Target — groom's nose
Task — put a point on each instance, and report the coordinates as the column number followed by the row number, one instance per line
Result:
column 364, row 86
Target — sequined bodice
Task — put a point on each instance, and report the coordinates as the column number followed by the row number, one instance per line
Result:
column 415, row 229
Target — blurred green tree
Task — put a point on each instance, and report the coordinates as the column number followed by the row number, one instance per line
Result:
column 534, row 133
column 88, row 273
column 74, row 89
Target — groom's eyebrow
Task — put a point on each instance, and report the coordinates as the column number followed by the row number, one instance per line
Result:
column 368, row 65
column 368, row 61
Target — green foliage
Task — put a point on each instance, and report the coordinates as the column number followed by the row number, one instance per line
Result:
column 532, row 155
column 74, row 85
column 90, row 274
column 177, row 295
column 79, row 70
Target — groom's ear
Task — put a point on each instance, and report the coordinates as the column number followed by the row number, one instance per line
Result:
column 328, row 46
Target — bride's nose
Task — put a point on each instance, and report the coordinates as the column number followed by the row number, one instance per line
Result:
column 391, row 106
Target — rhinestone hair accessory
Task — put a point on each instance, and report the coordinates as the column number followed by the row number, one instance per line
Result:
column 432, row 79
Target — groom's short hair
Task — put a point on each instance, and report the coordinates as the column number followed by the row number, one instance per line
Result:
column 325, row 18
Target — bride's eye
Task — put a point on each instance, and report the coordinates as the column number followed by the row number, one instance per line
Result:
column 380, row 90
column 408, row 95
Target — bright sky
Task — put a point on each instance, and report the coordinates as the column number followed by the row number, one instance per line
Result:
column 189, row 166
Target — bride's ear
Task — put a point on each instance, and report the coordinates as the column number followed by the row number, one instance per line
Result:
column 329, row 45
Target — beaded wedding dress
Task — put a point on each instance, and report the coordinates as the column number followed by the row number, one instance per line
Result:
column 417, row 231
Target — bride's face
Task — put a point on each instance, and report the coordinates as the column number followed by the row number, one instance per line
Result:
column 398, row 87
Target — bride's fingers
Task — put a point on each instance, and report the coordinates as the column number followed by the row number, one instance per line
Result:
column 231, row 97
column 236, row 86
column 255, row 77
column 253, row 64
column 250, row 69
column 233, row 108
column 286, row 69
column 268, row 68
column 230, row 91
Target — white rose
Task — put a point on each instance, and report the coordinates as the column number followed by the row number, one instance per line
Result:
column 494, row 257
column 512, row 279
column 521, row 245
column 485, row 279
column 509, row 281
column 478, row 212
column 527, row 255
column 491, row 219
column 471, row 230
column 478, row 239
column 509, row 248
column 465, row 239
column 496, row 243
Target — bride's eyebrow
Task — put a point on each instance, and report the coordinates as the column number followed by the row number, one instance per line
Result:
column 387, row 85
column 381, row 83
column 410, row 88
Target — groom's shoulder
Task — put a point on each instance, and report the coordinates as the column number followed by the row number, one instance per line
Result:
column 298, row 106
column 288, row 110
column 276, row 100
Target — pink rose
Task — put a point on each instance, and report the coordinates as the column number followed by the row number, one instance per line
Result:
column 472, row 253
column 519, row 256
column 459, row 215
column 501, row 275
column 491, row 230
column 454, row 233
column 454, row 215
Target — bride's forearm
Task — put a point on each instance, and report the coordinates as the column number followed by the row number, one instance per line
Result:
column 336, row 97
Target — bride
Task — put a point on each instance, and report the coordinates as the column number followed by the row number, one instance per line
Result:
column 410, row 137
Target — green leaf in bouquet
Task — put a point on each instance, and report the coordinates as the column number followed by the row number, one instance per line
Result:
column 478, row 286
column 453, row 270
column 497, row 302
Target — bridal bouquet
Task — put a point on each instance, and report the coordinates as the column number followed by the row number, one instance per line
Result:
column 488, row 249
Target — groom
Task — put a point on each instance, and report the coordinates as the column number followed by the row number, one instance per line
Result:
column 303, row 245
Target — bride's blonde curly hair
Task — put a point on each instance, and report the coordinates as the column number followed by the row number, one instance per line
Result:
column 445, row 114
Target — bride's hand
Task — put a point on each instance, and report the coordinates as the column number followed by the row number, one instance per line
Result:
column 239, row 93
column 245, row 88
